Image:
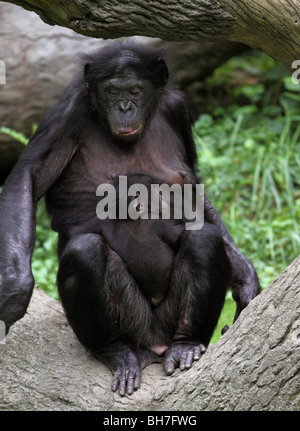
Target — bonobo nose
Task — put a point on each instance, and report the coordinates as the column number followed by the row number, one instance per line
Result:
column 125, row 105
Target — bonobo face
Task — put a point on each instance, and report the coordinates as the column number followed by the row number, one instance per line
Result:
column 126, row 102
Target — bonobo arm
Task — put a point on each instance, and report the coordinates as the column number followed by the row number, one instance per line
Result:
column 245, row 284
column 39, row 166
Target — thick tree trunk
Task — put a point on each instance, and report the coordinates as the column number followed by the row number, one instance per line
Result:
column 269, row 25
column 255, row 365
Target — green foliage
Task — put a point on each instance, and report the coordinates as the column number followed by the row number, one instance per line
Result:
column 249, row 155
column 13, row 134
column 16, row 135
column 44, row 261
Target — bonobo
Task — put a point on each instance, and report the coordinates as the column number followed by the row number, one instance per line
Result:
column 120, row 115
column 146, row 241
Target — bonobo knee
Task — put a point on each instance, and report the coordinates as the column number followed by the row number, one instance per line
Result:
column 208, row 232
column 213, row 234
column 205, row 242
column 83, row 244
column 213, row 240
column 84, row 254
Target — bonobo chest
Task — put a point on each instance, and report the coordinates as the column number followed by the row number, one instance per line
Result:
column 100, row 160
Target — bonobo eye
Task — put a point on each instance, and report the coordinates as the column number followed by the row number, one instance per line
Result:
column 135, row 90
column 113, row 91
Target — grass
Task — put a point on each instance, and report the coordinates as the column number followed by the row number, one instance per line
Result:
column 44, row 261
column 249, row 155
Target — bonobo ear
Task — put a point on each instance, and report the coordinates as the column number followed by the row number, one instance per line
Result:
column 160, row 72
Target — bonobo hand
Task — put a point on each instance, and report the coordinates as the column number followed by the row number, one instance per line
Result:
column 245, row 286
column 15, row 295
column 182, row 354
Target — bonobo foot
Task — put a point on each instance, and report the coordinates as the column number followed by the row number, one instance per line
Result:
column 182, row 354
column 127, row 375
column 126, row 364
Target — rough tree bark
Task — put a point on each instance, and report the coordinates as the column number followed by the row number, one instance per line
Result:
column 269, row 25
column 255, row 365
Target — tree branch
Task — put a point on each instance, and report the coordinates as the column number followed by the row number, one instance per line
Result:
column 255, row 365
column 167, row 19
column 269, row 25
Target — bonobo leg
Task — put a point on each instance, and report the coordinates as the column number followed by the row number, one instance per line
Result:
column 199, row 282
column 105, row 308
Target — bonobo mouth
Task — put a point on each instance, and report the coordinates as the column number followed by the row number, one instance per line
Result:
column 128, row 133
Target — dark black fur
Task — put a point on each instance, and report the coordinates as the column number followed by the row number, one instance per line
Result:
column 146, row 246
column 139, row 123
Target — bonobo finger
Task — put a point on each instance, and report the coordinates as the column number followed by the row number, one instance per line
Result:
column 122, row 386
column 130, row 384
column 169, row 366
column 199, row 350
column 182, row 360
column 115, row 383
column 119, row 382
column 137, row 381
column 187, row 360
column 202, row 348
column 197, row 353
